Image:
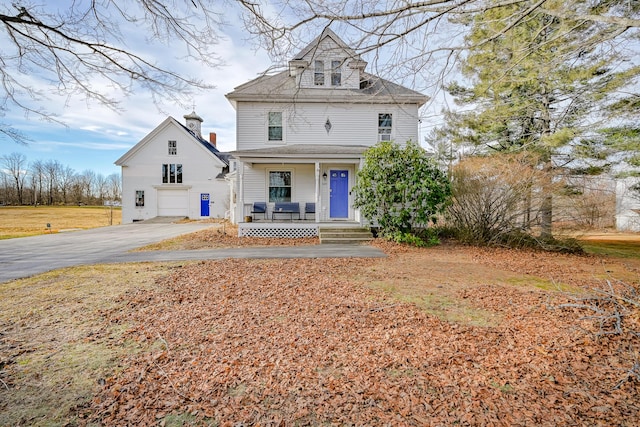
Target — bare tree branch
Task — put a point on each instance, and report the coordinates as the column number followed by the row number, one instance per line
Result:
column 407, row 37
column 85, row 49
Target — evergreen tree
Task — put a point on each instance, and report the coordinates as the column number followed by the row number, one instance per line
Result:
column 534, row 85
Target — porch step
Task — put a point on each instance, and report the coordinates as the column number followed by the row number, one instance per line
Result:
column 344, row 235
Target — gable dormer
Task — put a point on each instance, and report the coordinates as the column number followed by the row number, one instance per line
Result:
column 327, row 63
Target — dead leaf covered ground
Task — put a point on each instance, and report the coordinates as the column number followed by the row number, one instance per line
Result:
column 328, row 342
column 222, row 235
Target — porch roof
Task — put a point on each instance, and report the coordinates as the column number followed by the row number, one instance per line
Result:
column 310, row 152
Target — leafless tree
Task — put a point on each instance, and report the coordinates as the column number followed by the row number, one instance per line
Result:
column 100, row 188
column 492, row 198
column 66, row 179
column 15, row 166
column 82, row 49
column 114, row 189
column 37, row 179
column 52, row 170
column 419, row 42
column 86, row 180
column 4, row 187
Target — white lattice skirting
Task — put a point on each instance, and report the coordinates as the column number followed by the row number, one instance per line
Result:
column 278, row 232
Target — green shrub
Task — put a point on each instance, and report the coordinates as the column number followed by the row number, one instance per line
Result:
column 400, row 189
column 415, row 238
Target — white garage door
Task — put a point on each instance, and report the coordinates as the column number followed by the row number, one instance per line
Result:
column 172, row 202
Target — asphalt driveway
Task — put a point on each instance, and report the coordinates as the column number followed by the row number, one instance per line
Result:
column 28, row 256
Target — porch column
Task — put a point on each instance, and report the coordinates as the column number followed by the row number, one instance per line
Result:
column 240, row 194
column 317, row 214
column 356, row 213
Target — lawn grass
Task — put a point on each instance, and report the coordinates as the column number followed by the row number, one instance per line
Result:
column 55, row 348
column 22, row 221
column 621, row 249
column 437, row 302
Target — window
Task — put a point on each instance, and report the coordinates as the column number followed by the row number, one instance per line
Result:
column 171, row 173
column 384, row 127
column 318, row 73
column 173, row 148
column 275, row 126
column 336, row 74
column 139, row 198
column 280, row 186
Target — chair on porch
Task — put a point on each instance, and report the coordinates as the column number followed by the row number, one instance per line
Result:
column 260, row 208
column 309, row 208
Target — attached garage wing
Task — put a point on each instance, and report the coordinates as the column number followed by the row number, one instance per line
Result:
column 173, row 202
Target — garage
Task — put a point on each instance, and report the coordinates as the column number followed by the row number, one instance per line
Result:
column 173, row 202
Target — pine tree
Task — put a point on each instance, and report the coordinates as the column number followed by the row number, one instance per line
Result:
column 533, row 85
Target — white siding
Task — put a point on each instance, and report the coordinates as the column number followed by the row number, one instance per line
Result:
column 350, row 78
column 256, row 189
column 304, row 123
column 328, row 117
column 143, row 171
column 627, row 205
column 329, row 51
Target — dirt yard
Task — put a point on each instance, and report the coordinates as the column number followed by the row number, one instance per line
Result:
column 450, row 335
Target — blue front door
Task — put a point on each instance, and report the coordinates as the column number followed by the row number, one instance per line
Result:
column 204, row 204
column 339, row 194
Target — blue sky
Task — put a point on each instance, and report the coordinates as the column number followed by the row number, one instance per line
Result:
column 94, row 136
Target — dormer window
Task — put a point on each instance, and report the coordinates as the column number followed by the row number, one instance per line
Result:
column 173, row 148
column 318, row 73
column 336, row 73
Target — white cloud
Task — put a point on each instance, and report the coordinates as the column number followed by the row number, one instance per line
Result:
column 99, row 146
column 137, row 116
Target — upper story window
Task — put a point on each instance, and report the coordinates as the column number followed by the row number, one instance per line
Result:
column 275, row 126
column 171, row 173
column 384, row 127
column 173, row 148
column 336, row 74
column 318, row 73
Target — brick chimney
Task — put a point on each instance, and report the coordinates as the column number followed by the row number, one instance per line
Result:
column 212, row 139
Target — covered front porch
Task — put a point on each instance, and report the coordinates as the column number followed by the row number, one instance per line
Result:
column 282, row 189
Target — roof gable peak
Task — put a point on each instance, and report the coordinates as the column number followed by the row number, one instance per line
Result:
column 316, row 43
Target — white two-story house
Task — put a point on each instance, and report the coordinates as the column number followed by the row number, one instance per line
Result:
column 174, row 172
column 301, row 135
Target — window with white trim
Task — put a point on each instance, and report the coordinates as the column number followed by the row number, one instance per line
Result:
column 275, row 126
column 139, row 198
column 318, row 73
column 336, row 73
column 384, row 126
column 279, row 186
column 173, row 148
column 172, row 173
